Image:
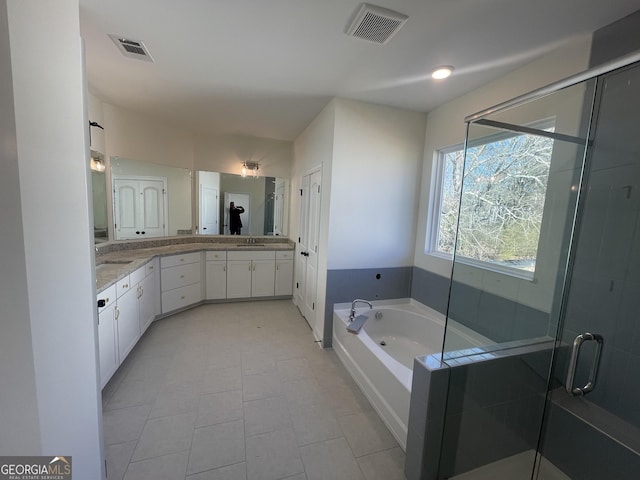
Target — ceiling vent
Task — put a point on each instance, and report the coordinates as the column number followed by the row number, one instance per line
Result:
column 132, row 48
column 376, row 24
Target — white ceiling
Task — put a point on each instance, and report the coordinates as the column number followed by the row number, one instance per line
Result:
column 267, row 67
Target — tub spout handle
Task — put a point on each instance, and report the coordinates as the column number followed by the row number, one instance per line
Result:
column 352, row 312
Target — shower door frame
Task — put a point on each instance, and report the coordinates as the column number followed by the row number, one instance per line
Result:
column 563, row 288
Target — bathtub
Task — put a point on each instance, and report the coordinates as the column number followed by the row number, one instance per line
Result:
column 380, row 357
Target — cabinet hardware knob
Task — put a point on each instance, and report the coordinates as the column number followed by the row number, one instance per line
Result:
column 181, row 276
column 182, row 297
column 126, row 285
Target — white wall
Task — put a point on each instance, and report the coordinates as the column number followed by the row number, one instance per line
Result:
column 314, row 148
column 51, row 141
column 446, row 127
column 19, row 418
column 376, row 166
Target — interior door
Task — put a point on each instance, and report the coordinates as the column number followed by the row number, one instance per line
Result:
column 140, row 205
column 152, row 211
column 127, row 205
column 209, row 210
column 307, row 259
column 242, row 200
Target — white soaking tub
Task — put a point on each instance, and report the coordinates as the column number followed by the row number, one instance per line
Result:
column 380, row 357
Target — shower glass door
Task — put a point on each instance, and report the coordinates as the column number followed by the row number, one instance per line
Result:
column 519, row 189
column 592, row 419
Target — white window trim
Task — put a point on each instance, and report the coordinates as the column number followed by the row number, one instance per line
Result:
column 435, row 211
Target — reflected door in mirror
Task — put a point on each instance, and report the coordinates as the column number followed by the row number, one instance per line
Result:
column 139, row 207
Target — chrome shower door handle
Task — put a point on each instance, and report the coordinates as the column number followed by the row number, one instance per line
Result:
column 573, row 363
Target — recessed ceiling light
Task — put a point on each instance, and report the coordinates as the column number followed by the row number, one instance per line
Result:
column 441, row 72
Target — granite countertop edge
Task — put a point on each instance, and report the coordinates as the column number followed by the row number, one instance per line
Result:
column 117, row 269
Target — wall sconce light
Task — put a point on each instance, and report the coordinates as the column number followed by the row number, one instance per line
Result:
column 250, row 168
column 97, row 163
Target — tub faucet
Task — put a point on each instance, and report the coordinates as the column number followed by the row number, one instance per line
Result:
column 352, row 312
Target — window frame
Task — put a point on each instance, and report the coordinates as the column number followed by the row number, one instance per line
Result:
column 436, row 202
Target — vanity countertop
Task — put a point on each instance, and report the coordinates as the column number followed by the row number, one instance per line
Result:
column 111, row 267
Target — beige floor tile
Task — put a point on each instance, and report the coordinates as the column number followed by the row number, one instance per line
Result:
column 314, row 423
column 330, row 460
column 222, row 379
column 232, row 472
column 174, row 402
column 124, row 424
column 216, row 446
column 220, row 407
column 166, row 467
column 264, row 385
column 366, row 433
column 266, row 415
column 294, row 369
column 165, row 435
column 118, row 457
column 202, row 384
column 273, row 455
column 385, row 465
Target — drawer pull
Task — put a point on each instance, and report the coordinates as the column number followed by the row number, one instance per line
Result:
column 182, row 297
column 126, row 285
column 181, row 276
column 182, row 259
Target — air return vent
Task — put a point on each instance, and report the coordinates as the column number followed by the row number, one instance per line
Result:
column 376, row 24
column 132, row 48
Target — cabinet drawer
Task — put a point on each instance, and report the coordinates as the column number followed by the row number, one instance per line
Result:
column 183, row 259
column 251, row 255
column 181, row 297
column 137, row 276
column 122, row 286
column 180, row 276
column 108, row 295
column 215, row 255
column 284, row 255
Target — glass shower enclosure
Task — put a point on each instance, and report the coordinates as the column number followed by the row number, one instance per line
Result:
column 543, row 320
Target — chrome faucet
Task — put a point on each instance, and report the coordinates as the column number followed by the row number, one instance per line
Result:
column 352, row 313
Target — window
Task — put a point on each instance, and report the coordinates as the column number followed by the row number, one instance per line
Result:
column 499, row 195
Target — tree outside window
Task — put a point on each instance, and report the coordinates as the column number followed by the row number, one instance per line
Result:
column 499, row 194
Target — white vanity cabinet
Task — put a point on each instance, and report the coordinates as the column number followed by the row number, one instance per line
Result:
column 148, row 295
column 107, row 339
column 251, row 274
column 284, row 273
column 180, row 280
column 127, row 313
column 216, row 275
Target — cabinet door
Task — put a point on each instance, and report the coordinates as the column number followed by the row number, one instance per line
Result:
column 147, row 301
column 107, row 344
column 128, row 323
column 263, row 278
column 238, row 278
column 216, row 280
column 284, row 277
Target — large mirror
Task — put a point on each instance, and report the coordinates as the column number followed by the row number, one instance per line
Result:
column 149, row 200
column 100, row 215
column 261, row 203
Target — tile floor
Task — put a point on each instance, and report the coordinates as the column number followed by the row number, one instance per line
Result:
column 241, row 391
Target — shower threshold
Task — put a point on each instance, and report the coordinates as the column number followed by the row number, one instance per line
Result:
column 516, row 467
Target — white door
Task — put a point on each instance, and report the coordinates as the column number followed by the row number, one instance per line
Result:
column 152, row 208
column 126, row 206
column 242, row 200
column 139, row 206
column 209, row 210
column 307, row 259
